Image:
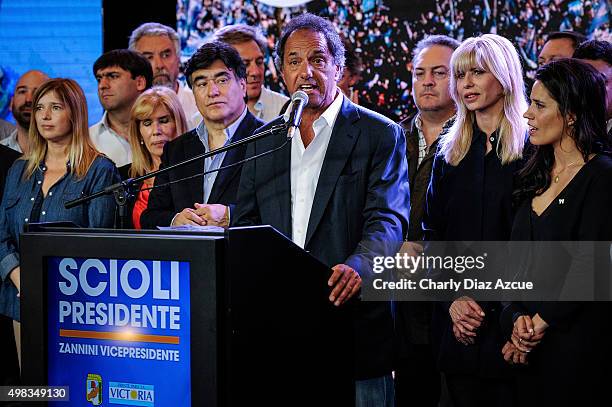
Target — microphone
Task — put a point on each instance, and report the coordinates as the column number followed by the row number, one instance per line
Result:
column 298, row 101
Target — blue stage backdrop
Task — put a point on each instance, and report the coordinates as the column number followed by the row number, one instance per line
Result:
column 62, row 38
column 384, row 32
column 119, row 331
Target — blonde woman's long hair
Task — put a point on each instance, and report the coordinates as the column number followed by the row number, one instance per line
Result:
column 497, row 55
column 81, row 151
column 143, row 108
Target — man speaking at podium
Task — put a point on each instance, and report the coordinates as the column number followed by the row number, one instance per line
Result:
column 339, row 186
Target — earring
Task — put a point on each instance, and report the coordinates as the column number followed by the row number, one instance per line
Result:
column 141, row 142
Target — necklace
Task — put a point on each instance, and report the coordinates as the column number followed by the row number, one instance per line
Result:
column 556, row 177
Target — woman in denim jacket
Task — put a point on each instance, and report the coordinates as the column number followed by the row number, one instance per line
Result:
column 62, row 165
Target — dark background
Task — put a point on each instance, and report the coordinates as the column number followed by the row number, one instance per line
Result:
column 121, row 17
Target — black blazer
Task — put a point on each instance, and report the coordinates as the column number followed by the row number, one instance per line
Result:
column 7, row 157
column 471, row 202
column 570, row 365
column 362, row 197
column 167, row 201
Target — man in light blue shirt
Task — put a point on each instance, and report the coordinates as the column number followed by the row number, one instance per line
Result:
column 203, row 192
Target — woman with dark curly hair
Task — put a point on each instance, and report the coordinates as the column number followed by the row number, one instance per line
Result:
column 564, row 193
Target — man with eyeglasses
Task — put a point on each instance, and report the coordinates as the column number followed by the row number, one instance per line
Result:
column 217, row 77
column 416, row 376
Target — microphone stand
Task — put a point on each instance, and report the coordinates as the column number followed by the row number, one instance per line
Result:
column 123, row 191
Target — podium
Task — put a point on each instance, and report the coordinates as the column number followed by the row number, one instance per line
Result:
column 178, row 318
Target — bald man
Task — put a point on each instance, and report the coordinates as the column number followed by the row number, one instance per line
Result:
column 21, row 107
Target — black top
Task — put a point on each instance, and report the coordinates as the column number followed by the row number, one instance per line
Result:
column 581, row 211
column 569, row 363
column 471, row 201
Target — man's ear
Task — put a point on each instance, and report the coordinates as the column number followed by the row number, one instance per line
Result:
column 339, row 73
column 141, row 83
column 245, row 96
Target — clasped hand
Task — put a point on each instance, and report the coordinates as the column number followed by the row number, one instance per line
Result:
column 203, row 215
column 526, row 335
column 467, row 317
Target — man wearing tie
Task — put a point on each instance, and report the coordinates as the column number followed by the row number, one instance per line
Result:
column 337, row 188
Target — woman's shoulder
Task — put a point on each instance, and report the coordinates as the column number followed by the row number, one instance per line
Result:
column 17, row 168
column 600, row 166
column 599, row 174
column 101, row 171
column 103, row 163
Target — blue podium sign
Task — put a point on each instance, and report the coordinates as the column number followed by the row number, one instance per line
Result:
column 119, row 331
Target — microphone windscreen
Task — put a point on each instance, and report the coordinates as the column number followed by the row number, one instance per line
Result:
column 300, row 95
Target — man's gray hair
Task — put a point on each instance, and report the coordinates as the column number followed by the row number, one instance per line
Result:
column 154, row 30
column 318, row 24
column 240, row 33
column 430, row 41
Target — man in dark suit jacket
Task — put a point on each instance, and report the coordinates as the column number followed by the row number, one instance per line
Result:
column 340, row 186
column 7, row 157
column 9, row 371
column 598, row 54
column 217, row 76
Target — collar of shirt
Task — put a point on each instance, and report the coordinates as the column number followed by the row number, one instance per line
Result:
column 105, row 126
column 104, row 122
column 306, row 165
column 419, row 123
column 269, row 104
column 259, row 105
column 481, row 137
column 423, row 147
column 12, row 142
column 42, row 166
column 329, row 115
column 230, row 130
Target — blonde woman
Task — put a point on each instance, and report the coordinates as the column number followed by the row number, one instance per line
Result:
column 62, row 165
column 470, row 199
column 155, row 119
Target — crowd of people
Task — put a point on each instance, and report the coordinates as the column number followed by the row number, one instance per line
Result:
column 474, row 161
column 383, row 32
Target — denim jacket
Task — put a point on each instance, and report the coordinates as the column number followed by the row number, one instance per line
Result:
column 18, row 201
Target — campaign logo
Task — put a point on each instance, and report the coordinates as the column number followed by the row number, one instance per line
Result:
column 131, row 394
column 94, row 389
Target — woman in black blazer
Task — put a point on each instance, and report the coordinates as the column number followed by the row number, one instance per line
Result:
column 156, row 118
column 470, row 199
column 564, row 194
